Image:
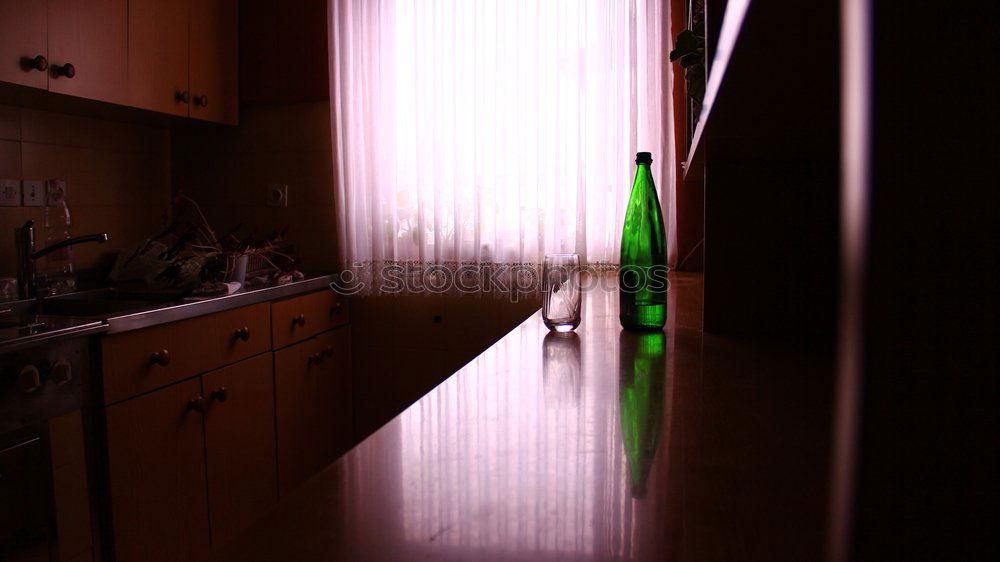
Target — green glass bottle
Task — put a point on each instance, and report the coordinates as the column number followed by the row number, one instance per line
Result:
column 642, row 276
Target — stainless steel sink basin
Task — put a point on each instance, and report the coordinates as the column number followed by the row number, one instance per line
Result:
column 100, row 303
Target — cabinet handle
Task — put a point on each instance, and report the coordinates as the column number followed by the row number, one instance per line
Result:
column 161, row 358
column 336, row 308
column 299, row 320
column 39, row 63
column 243, row 333
column 183, row 97
column 220, row 394
column 201, row 100
column 197, row 403
column 328, row 351
column 67, row 70
column 315, row 358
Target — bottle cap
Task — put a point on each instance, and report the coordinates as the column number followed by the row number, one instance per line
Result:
column 643, row 157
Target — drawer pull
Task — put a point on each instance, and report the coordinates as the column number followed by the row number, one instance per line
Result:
column 299, row 320
column 39, row 63
column 328, row 351
column 67, row 70
column 161, row 358
column 336, row 308
column 197, row 403
column 220, row 394
column 243, row 333
column 315, row 358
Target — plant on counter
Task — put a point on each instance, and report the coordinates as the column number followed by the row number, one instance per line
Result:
column 188, row 256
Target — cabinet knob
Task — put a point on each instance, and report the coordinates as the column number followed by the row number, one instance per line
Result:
column 197, row 403
column 161, row 358
column 220, row 394
column 328, row 351
column 183, row 97
column 62, row 372
column 243, row 333
column 336, row 308
column 28, row 379
column 315, row 358
column 299, row 320
column 39, row 63
column 67, row 70
column 201, row 101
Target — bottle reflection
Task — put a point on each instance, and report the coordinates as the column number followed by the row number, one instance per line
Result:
column 561, row 366
column 642, row 369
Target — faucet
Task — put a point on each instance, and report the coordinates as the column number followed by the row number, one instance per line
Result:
column 24, row 240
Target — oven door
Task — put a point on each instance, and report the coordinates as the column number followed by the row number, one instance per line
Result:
column 27, row 514
column 45, row 503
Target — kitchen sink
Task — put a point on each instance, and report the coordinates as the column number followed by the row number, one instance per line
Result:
column 100, row 303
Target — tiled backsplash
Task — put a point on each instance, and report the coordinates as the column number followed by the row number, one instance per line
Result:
column 117, row 174
column 227, row 170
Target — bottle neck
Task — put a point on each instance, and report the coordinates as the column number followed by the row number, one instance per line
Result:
column 642, row 173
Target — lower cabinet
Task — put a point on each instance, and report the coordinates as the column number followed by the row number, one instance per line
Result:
column 208, row 441
column 239, row 442
column 314, row 407
column 156, row 467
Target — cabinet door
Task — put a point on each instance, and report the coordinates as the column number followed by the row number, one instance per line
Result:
column 239, row 439
column 158, row 56
column 92, row 36
column 214, row 61
column 336, row 390
column 156, row 467
column 22, row 38
column 314, row 406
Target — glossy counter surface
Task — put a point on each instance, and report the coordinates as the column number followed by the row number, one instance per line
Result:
column 599, row 445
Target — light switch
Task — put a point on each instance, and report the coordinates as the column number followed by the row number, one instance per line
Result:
column 33, row 192
column 10, row 193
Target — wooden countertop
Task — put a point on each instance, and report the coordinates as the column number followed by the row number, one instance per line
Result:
column 603, row 445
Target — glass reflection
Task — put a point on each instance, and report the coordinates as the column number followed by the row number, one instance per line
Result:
column 561, row 367
column 642, row 370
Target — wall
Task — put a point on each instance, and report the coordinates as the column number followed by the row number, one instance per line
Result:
column 118, row 177
column 227, row 170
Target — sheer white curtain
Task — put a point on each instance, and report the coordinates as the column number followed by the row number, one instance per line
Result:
column 489, row 131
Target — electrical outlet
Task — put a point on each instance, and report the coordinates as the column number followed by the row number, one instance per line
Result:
column 277, row 195
column 33, row 192
column 55, row 192
column 10, row 193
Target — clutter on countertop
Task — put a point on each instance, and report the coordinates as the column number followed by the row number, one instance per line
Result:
column 188, row 256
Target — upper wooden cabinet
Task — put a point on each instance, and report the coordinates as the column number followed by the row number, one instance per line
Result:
column 213, row 72
column 88, row 48
column 158, row 56
column 183, row 58
column 24, row 48
column 178, row 57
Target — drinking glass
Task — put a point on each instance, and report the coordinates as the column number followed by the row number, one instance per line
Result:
column 561, row 292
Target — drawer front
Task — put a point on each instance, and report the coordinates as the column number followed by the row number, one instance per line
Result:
column 140, row 361
column 302, row 317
